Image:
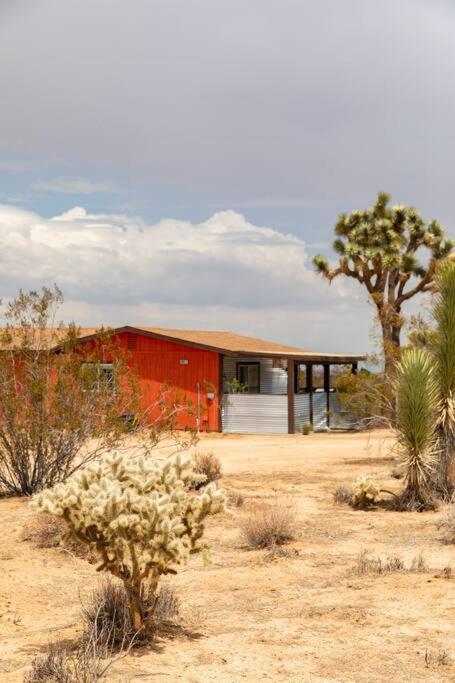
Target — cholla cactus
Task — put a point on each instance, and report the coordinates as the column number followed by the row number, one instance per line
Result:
column 140, row 516
column 365, row 492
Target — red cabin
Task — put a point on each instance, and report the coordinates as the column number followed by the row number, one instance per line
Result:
column 235, row 383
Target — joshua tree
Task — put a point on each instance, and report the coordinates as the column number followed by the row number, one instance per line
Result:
column 417, row 417
column 379, row 248
column 443, row 347
column 141, row 518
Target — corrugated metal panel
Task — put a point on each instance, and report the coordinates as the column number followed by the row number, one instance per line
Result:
column 273, row 380
column 320, row 410
column 301, row 410
column 255, row 414
column 340, row 418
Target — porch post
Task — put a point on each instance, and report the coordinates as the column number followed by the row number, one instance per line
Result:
column 291, row 394
column 354, row 368
column 309, row 387
column 327, row 391
column 220, row 391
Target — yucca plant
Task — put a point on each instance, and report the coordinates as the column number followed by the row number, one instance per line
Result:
column 443, row 348
column 416, row 419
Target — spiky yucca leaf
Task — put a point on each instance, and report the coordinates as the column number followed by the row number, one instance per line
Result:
column 444, row 342
column 417, row 394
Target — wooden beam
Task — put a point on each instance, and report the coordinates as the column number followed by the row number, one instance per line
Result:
column 291, row 396
column 327, row 391
column 220, row 391
column 309, row 388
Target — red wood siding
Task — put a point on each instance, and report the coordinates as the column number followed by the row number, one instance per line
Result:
column 157, row 362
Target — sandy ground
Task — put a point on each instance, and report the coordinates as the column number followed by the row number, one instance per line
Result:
column 305, row 617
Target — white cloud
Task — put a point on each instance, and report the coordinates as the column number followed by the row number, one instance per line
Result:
column 222, row 273
column 74, row 186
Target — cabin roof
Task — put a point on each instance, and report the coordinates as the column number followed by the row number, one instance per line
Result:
column 228, row 343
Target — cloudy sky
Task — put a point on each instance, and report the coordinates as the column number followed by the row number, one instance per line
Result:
column 178, row 162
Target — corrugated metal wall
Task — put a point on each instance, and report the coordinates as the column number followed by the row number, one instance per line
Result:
column 273, row 380
column 302, row 410
column 255, row 414
column 340, row 418
column 319, row 410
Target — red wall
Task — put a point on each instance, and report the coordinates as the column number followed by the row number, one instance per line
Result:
column 157, row 362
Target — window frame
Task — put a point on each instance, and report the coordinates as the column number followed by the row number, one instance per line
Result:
column 249, row 363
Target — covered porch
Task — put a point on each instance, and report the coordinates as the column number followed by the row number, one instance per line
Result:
column 275, row 395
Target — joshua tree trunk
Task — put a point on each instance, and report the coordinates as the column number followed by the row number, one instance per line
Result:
column 445, row 475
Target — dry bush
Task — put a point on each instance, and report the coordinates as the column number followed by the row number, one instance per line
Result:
column 88, row 661
column 166, row 606
column 397, row 472
column 44, row 531
column 235, row 499
column 446, row 572
column 447, row 524
column 440, row 658
column 343, row 494
column 208, row 466
column 48, row 531
column 270, row 524
column 108, row 615
column 369, row 564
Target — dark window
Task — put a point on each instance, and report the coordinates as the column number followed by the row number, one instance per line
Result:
column 248, row 374
column 98, row 376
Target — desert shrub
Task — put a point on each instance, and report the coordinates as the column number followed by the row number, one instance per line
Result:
column 447, row 524
column 367, row 563
column 235, row 499
column 139, row 516
column 166, row 606
column 365, row 492
column 108, row 614
column 342, row 494
column 44, row 531
column 397, row 472
column 57, row 410
column 56, row 665
column 208, row 466
column 307, row 428
column 362, row 394
column 47, row 531
column 437, row 658
column 59, row 664
column 270, row 524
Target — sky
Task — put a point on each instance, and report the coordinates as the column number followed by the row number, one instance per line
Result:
column 178, row 162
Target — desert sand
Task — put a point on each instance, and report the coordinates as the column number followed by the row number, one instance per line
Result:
column 246, row 617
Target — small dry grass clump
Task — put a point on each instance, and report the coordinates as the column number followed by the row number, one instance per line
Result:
column 447, row 524
column 108, row 615
column 208, row 465
column 270, row 525
column 62, row 665
column 44, row 531
column 235, row 499
column 47, row 531
column 440, row 658
column 343, row 494
column 369, row 564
